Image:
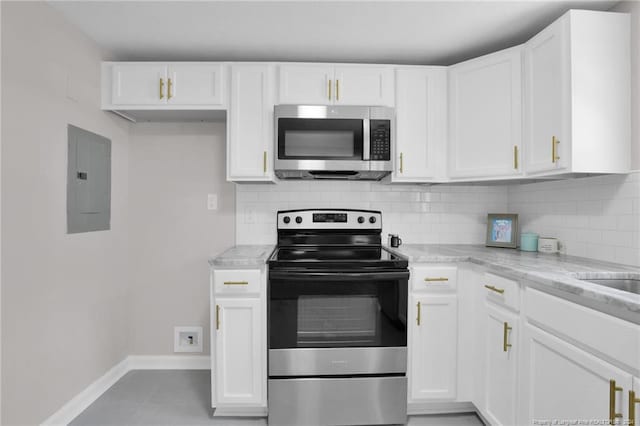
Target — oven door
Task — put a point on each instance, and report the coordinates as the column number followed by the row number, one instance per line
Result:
column 337, row 323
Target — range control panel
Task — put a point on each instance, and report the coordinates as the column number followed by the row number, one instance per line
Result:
column 329, row 219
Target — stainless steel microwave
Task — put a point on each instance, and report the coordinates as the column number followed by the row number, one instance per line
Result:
column 333, row 142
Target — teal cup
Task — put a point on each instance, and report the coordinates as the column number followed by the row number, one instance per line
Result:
column 529, row 241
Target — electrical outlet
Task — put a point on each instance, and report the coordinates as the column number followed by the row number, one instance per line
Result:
column 187, row 339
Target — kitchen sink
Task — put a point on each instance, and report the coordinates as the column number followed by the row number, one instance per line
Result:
column 630, row 285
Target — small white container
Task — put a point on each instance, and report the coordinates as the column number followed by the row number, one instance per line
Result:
column 548, row 245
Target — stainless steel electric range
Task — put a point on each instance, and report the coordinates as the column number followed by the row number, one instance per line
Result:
column 337, row 321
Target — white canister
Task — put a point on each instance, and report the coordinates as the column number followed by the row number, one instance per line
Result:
column 547, row 245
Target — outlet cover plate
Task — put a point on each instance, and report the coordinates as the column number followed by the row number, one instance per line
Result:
column 187, row 339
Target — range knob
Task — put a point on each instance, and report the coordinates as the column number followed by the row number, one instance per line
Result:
column 298, row 219
column 360, row 219
column 372, row 219
column 286, row 219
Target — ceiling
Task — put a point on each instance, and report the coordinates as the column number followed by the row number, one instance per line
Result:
column 400, row 32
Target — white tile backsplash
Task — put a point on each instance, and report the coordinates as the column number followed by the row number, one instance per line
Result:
column 596, row 217
column 419, row 213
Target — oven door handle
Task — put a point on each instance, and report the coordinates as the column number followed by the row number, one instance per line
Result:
column 338, row 276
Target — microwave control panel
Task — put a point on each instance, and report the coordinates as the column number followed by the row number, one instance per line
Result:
column 380, row 140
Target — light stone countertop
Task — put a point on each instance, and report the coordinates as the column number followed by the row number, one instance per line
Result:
column 243, row 257
column 554, row 273
column 558, row 274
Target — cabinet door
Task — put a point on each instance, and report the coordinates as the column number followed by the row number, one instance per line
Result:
column 420, row 122
column 364, row 86
column 501, row 366
column 432, row 347
column 239, row 372
column 547, row 104
column 306, row 84
column 195, row 84
column 563, row 382
column 250, row 124
column 139, row 84
column 485, row 115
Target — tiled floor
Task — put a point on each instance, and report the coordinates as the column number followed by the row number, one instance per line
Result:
column 182, row 398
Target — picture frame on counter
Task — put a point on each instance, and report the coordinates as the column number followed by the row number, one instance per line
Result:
column 502, row 230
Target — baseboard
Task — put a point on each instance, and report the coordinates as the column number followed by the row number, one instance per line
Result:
column 80, row 402
column 448, row 407
column 169, row 362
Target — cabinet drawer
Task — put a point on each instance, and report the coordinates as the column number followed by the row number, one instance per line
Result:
column 502, row 291
column 236, row 281
column 603, row 334
column 434, row 278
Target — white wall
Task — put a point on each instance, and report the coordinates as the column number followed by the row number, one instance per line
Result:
column 420, row 214
column 64, row 297
column 172, row 168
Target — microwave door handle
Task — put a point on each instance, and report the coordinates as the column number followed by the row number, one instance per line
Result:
column 338, row 276
column 366, row 139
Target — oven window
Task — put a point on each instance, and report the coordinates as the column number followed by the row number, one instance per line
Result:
column 337, row 319
column 315, row 314
column 322, row 139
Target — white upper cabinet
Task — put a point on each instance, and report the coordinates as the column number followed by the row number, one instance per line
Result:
column 312, row 84
column 364, row 85
column 153, row 85
column 139, row 84
column 250, row 123
column 485, row 109
column 421, row 131
column 577, row 91
column 195, row 84
column 306, row 84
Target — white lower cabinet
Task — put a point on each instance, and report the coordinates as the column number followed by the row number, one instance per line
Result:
column 433, row 335
column 238, row 343
column 238, row 351
column 501, row 365
column 561, row 382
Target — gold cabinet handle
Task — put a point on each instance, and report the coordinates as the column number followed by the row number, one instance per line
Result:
column 612, row 401
column 418, row 317
column 632, row 407
column 329, row 85
column 217, row 317
column 236, row 283
column 554, row 148
column 264, row 161
column 337, row 90
column 161, row 88
column 436, row 279
column 496, row 289
column 169, row 84
column 401, row 163
column 515, row 157
column 505, row 340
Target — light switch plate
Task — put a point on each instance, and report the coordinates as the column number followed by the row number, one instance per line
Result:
column 212, row 202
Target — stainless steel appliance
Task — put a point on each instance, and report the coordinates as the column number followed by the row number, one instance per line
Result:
column 337, row 321
column 333, row 142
